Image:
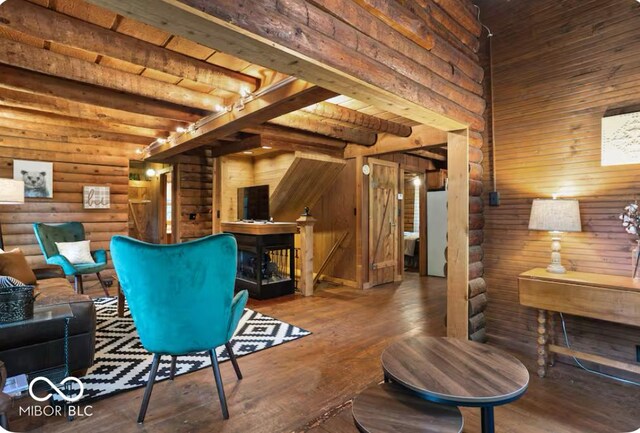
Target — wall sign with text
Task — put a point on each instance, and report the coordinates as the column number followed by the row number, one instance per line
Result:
column 97, row 197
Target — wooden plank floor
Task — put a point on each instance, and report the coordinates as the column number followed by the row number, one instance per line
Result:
column 301, row 385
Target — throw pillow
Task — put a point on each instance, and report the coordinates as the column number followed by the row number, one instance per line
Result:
column 76, row 252
column 14, row 264
column 6, row 282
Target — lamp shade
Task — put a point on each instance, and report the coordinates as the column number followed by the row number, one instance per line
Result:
column 555, row 215
column 11, row 191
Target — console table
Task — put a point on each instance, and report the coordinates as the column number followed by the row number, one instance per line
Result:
column 606, row 297
column 266, row 257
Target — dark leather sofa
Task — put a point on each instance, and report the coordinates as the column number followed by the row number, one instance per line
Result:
column 33, row 347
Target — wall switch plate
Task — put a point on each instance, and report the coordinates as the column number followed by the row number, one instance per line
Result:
column 494, row 198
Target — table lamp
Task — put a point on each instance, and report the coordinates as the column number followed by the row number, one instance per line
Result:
column 555, row 216
column 11, row 192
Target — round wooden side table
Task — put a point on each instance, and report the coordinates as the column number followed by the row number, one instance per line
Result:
column 456, row 372
column 389, row 407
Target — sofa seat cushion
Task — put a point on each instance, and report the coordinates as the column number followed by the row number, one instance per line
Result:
column 54, row 287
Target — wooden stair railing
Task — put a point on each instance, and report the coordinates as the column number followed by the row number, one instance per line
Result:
column 332, row 252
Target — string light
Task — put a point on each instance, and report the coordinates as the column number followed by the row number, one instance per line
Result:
column 181, row 129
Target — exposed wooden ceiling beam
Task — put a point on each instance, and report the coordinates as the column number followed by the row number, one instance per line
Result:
column 280, row 34
column 248, row 143
column 312, row 123
column 21, row 114
column 46, row 24
column 357, row 119
column 422, row 136
column 50, row 104
column 50, row 63
column 89, row 135
column 41, row 84
column 283, row 98
column 310, row 146
column 277, row 133
column 428, row 155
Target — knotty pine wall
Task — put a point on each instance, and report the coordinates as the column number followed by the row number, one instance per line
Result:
column 75, row 164
column 558, row 67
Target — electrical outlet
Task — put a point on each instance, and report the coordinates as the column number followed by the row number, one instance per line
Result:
column 494, row 198
column 192, row 217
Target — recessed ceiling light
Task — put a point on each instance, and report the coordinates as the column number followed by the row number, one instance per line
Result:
column 269, row 147
column 247, row 152
column 150, row 172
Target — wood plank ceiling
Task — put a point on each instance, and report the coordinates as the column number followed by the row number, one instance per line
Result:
column 72, row 68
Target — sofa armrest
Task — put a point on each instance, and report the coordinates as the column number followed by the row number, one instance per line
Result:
column 48, row 271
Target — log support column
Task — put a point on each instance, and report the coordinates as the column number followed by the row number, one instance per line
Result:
column 306, row 222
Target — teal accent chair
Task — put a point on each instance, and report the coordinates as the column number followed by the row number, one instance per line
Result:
column 181, row 300
column 48, row 235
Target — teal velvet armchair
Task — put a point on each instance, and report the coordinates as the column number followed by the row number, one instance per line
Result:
column 181, row 299
column 47, row 236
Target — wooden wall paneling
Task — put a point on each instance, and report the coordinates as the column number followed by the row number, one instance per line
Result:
column 400, row 227
column 194, row 199
column 271, row 168
column 408, row 207
column 237, row 172
column 216, row 198
column 551, row 92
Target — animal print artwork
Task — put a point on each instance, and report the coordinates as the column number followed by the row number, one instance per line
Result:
column 37, row 177
column 621, row 139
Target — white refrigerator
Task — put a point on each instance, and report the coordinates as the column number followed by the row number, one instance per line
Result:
column 436, row 232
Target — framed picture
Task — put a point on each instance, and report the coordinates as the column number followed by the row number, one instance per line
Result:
column 621, row 139
column 96, row 197
column 37, row 177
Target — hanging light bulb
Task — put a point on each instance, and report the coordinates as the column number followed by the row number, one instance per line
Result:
column 161, row 140
column 150, row 172
column 181, row 129
column 244, row 92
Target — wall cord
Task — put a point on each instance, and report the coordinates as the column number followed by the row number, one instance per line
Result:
column 610, row 376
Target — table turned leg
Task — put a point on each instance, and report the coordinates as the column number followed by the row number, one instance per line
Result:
column 551, row 317
column 543, row 343
column 487, row 419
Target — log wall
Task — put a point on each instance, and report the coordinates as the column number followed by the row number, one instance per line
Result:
column 559, row 67
column 75, row 164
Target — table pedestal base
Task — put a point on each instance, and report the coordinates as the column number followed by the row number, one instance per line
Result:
column 487, row 419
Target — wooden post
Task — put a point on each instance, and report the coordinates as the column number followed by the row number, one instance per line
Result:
column 306, row 223
column 458, row 235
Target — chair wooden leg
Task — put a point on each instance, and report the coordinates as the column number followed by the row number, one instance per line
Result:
column 172, row 370
column 219, row 385
column 234, row 361
column 104, row 286
column 78, row 285
column 147, row 391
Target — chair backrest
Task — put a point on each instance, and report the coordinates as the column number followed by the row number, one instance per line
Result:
column 179, row 295
column 48, row 235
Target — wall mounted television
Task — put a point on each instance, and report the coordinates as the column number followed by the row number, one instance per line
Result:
column 253, row 203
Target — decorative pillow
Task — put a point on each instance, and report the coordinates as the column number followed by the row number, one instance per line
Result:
column 76, row 252
column 6, row 282
column 14, row 264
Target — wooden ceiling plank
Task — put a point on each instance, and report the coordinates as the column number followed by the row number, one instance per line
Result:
column 265, row 34
column 429, row 155
column 282, row 134
column 312, row 123
column 55, row 105
column 309, row 146
column 62, row 120
column 347, row 115
column 422, row 136
column 283, row 99
column 90, row 135
column 42, row 84
column 249, row 143
column 47, row 62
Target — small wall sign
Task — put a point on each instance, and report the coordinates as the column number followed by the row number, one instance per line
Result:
column 97, row 197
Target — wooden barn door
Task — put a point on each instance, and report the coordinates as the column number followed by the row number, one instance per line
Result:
column 383, row 221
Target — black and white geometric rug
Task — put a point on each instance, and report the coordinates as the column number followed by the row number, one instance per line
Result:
column 121, row 363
